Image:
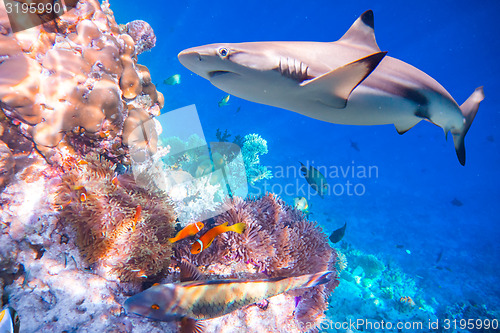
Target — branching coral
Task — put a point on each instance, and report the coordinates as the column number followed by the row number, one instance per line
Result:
column 75, row 80
column 120, row 227
column 278, row 241
column 254, row 146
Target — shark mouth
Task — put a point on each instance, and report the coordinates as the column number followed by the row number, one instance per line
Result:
column 213, row 74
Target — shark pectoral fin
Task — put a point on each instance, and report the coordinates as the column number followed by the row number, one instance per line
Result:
column 333, row 88
column 362, row 32
column 404, row 126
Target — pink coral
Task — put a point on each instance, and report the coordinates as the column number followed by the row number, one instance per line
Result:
column 143, row 35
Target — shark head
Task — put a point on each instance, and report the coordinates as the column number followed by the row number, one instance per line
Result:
column 215, row 60
column 245, row 70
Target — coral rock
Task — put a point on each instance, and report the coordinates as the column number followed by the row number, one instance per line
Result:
column 143, row 35
column 74, row 77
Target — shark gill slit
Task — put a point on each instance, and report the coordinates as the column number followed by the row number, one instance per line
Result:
column 293, row 69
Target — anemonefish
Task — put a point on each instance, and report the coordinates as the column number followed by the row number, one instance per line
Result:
column 206, row 240
column 9, row 320
column 189, row 230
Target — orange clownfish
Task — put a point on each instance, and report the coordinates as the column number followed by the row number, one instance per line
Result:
column 189, row 230
column 206, row 240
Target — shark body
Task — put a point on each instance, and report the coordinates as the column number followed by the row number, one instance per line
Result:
column 350, row 81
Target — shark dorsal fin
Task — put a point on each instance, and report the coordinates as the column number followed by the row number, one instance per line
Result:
column 361, row 33
column 333, row 88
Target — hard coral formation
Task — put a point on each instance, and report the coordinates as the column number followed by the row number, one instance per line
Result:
column 121, row 227
column 75, row 79
column 254, row 146
column 143, row 35
column 278, row 241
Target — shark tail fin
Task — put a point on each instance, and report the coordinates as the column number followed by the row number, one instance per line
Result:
column 469, row 109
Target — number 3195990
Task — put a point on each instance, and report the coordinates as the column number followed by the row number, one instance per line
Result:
column 33, row 8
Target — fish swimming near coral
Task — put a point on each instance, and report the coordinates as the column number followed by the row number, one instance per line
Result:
column 173, row 80
column 207, row 238
column 456, row 202
column 224, row 101
column 315, row 179
column 349, row 81
column 198, row 300
column 338, row 234
column 9, row 321
column 189, row 230
column 301, row 204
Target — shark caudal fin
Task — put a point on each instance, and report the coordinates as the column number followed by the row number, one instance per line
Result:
column 469, row 110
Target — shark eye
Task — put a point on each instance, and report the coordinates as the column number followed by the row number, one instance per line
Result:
column 223, row 52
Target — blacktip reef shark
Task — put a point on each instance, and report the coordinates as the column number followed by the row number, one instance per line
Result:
column 349, row 81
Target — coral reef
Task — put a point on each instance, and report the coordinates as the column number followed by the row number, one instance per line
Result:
column 142, row 33
column 120, row 227
column 278, row 241
column 254, row 146
column 76, row 81
column 373, row 291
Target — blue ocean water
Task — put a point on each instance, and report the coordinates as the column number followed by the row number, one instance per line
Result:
column 408, row 203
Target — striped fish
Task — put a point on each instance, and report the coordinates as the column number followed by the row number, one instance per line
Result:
column 211, row 299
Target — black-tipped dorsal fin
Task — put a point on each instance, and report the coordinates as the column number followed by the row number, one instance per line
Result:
column 361, row 33
column 189, row 272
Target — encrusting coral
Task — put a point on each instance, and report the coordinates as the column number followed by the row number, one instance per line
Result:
column 278, row 241
column 121, row 227
column 75, row 79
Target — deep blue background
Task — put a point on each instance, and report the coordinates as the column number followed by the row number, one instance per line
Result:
column 456, row 42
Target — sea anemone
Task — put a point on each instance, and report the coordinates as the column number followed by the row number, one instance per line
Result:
column 121, row 228
column 278, row 241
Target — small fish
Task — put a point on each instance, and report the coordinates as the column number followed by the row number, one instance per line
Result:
column 224, row 101
column 238, row 109
column 315, row 179
column 400, row 246
column 115, row 181
column 301, row 204
column 338, row 234
column 456, row 202
column 189, row 230
column 354, row 145
column 83, row 197
column 9, row 320
column 207, row 238
column 439, row 256
column 173, row 80
column 198, row 300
